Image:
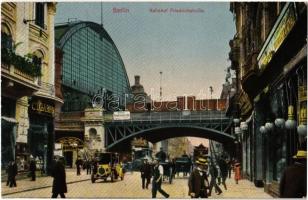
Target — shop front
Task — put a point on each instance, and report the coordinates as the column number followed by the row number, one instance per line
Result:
column 8, row 130
column 280, row 105
column 41, row 131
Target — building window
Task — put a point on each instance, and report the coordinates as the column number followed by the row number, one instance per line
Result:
column 6, row 38
column 39, row 14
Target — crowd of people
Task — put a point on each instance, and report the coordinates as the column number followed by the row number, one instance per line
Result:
column 207, row 174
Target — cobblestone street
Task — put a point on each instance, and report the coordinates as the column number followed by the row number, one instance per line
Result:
column 130, row 187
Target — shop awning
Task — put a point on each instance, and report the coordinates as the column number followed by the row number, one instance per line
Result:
column 9, row 119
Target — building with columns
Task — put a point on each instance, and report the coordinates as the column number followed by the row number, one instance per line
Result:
column 28, row 81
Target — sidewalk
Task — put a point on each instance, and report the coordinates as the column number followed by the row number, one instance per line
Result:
column 243, row 190
column 42, row 182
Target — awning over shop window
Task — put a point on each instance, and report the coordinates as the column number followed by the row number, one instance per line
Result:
column 9, row 119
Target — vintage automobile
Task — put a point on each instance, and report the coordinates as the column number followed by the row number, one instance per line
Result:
column 184, row 165
column 108, row 165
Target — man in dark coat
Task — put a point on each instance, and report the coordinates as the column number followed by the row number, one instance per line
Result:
column 157, row 180
column 293, row 183
column 32, row 169
column 224, row 171
column 59, row 179
column 229, row 163
column 198, row 181
column 145, row 174
column 89, row 166
column 78, row 165
column 12, row 172
column 213, row 183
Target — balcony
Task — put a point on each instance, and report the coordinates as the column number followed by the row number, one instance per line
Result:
column 234, row 54
column 250, row 74
column 47, row 91
column 19, row 74
column 47, row 88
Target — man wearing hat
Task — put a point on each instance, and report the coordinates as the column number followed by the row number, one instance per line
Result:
column 157, row 180
column 293, row 183
column 198, row 181
column 145, row 173
column 32, row 168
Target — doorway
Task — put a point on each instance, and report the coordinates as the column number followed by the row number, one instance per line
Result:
column 68, row 156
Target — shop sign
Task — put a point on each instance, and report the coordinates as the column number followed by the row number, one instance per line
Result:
column 121, row 115
column 139, row 142
column 279, row 32
column 41, row 107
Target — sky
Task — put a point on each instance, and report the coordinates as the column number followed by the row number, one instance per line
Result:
column 190, row 48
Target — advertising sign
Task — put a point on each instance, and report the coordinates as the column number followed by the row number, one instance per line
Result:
column 121, row 115
column 280, row 31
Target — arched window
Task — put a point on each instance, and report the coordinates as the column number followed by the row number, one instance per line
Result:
column 6, row 37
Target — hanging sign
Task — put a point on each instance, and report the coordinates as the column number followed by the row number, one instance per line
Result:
column 278, row 34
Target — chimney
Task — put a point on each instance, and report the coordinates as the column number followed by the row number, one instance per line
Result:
column 137, row 80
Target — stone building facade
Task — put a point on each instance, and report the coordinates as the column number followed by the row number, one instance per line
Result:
column 28, row 91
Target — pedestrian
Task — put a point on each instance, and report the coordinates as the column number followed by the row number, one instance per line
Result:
column 59, row 179
column 157, row 180
column 293, row 183
column 237, row 172
column 173, row 166
column 229, row 163
column 32, row 169
column 89, row 166
column 223, row 171
column 12, row 172
column 213, row 183
column 198, row 181
column 8, row 172
column 145, row 174
column 94, row 166
column 78, row 165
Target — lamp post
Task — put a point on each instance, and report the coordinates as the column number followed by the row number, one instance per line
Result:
column 45, row 158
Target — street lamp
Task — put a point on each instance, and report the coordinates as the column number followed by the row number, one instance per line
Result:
column 45, row 158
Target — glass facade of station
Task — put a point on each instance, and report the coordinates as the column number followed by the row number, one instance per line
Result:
column 91, row 64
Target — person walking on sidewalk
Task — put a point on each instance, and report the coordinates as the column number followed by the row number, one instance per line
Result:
column 78, row 165
column 229, row 163
column 12, row 172
column 157, row 180
column 198, row 181
column 89, row 166
column 59, row 179
column 293, row 183
column 145, row 174
column 224, row 171
column 237, row 172
column 32, row 169
column 213, row 183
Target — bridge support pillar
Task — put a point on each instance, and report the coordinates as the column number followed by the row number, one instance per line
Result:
column 94, row 131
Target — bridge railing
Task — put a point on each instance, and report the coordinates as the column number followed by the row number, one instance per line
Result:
column 172, row 116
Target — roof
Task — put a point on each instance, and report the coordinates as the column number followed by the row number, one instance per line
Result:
column 62, row 31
